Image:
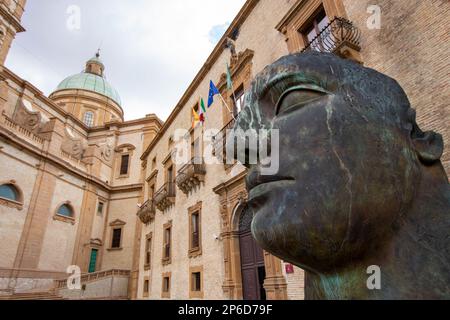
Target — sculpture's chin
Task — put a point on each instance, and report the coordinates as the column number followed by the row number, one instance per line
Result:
column 296, row 239
column 274, row 233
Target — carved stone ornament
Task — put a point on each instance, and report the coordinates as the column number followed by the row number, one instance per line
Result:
column 27, row 118
column 224, row 215
column 73, row 146
column 107, row 151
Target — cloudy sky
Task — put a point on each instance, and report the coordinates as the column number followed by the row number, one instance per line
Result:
column 152, row 49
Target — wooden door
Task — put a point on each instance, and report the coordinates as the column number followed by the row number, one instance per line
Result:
column 252, row 262
column 93, row 261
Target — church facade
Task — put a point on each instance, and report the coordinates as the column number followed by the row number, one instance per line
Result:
column 79, row 186
column 70, row 174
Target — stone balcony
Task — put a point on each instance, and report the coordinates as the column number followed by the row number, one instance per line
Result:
column 165, row 196
column 191, row 175
column 340, row 37
column 146, row 212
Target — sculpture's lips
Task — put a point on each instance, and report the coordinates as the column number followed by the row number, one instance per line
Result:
column 258, row 185
column 255, row 179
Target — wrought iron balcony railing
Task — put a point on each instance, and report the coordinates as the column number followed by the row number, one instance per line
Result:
column 338, row 37
column 146, row 212
column 191, row 175
column 165, row 196
column 220, row 141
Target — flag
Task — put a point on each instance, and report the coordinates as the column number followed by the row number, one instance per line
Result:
column 195, row 118
column 202, row 111
column 229, row 81
column 212, row 92
column 202, row 105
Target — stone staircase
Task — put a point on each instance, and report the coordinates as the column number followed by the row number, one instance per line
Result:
column 32, row 296
column 102, row 285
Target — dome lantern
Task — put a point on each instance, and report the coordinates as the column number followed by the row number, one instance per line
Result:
column 95, row 65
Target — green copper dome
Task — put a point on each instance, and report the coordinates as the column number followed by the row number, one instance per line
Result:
column 91, row 79
column 90, row 82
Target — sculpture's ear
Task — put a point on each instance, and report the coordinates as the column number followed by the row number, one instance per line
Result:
column 429, row 146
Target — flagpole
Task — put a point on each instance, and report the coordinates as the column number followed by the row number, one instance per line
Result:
column 230, row 79
column 234, row 95
column 226, row 105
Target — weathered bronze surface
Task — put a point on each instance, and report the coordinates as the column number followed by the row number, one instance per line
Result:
column 359, row 183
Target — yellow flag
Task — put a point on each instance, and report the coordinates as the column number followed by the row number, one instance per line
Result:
column 195, row 118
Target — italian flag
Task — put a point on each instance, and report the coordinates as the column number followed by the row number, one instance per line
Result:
column 202, row 110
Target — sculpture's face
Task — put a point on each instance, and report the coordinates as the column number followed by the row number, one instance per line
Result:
column 346, row 163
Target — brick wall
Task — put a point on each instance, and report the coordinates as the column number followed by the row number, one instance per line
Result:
column 295, row 283
column 413, row 47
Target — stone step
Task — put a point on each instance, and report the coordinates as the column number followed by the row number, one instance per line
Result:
column 32, row 296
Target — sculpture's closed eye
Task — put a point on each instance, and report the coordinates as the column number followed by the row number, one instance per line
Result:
column 298, row 97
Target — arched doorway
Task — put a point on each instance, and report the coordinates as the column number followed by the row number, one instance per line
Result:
column 252, row 260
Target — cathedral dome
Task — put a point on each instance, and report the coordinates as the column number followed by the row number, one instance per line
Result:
column 89, row 96
column 90, row 82
column 91, row 79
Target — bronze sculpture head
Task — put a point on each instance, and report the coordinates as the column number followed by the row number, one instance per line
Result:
column 359, row 183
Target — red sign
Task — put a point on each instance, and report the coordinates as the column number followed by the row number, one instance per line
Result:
column 289, row 268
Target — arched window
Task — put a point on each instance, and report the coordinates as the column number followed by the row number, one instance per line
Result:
column 88, row 118
column 10, row 192
column 65, row 210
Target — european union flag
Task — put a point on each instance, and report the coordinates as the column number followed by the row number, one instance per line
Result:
column 212, row 92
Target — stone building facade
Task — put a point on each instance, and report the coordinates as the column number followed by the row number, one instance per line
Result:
column 70, row 173
column 81, row 186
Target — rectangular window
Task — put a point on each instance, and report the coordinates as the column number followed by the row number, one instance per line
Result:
column 166, row 284
column 151, row 190
column 196, row 149
column 170, row 175
column 171, row 181
column 319, row 22
column 167, row 242
column 148, row 246
column 116, row 238
column 195, row 230
column 196, row 282
column 100, row 207
column 195, row 227
column 146, row 286
column 238, row 100
column 124, row 164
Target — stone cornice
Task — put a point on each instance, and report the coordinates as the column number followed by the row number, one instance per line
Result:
column 152, row 119
column 227, row 184
column 11, row 19
column 289, row 15
column 65, row 93
column 127, row 188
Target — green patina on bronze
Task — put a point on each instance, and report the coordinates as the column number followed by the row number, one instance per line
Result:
column 359, row 183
